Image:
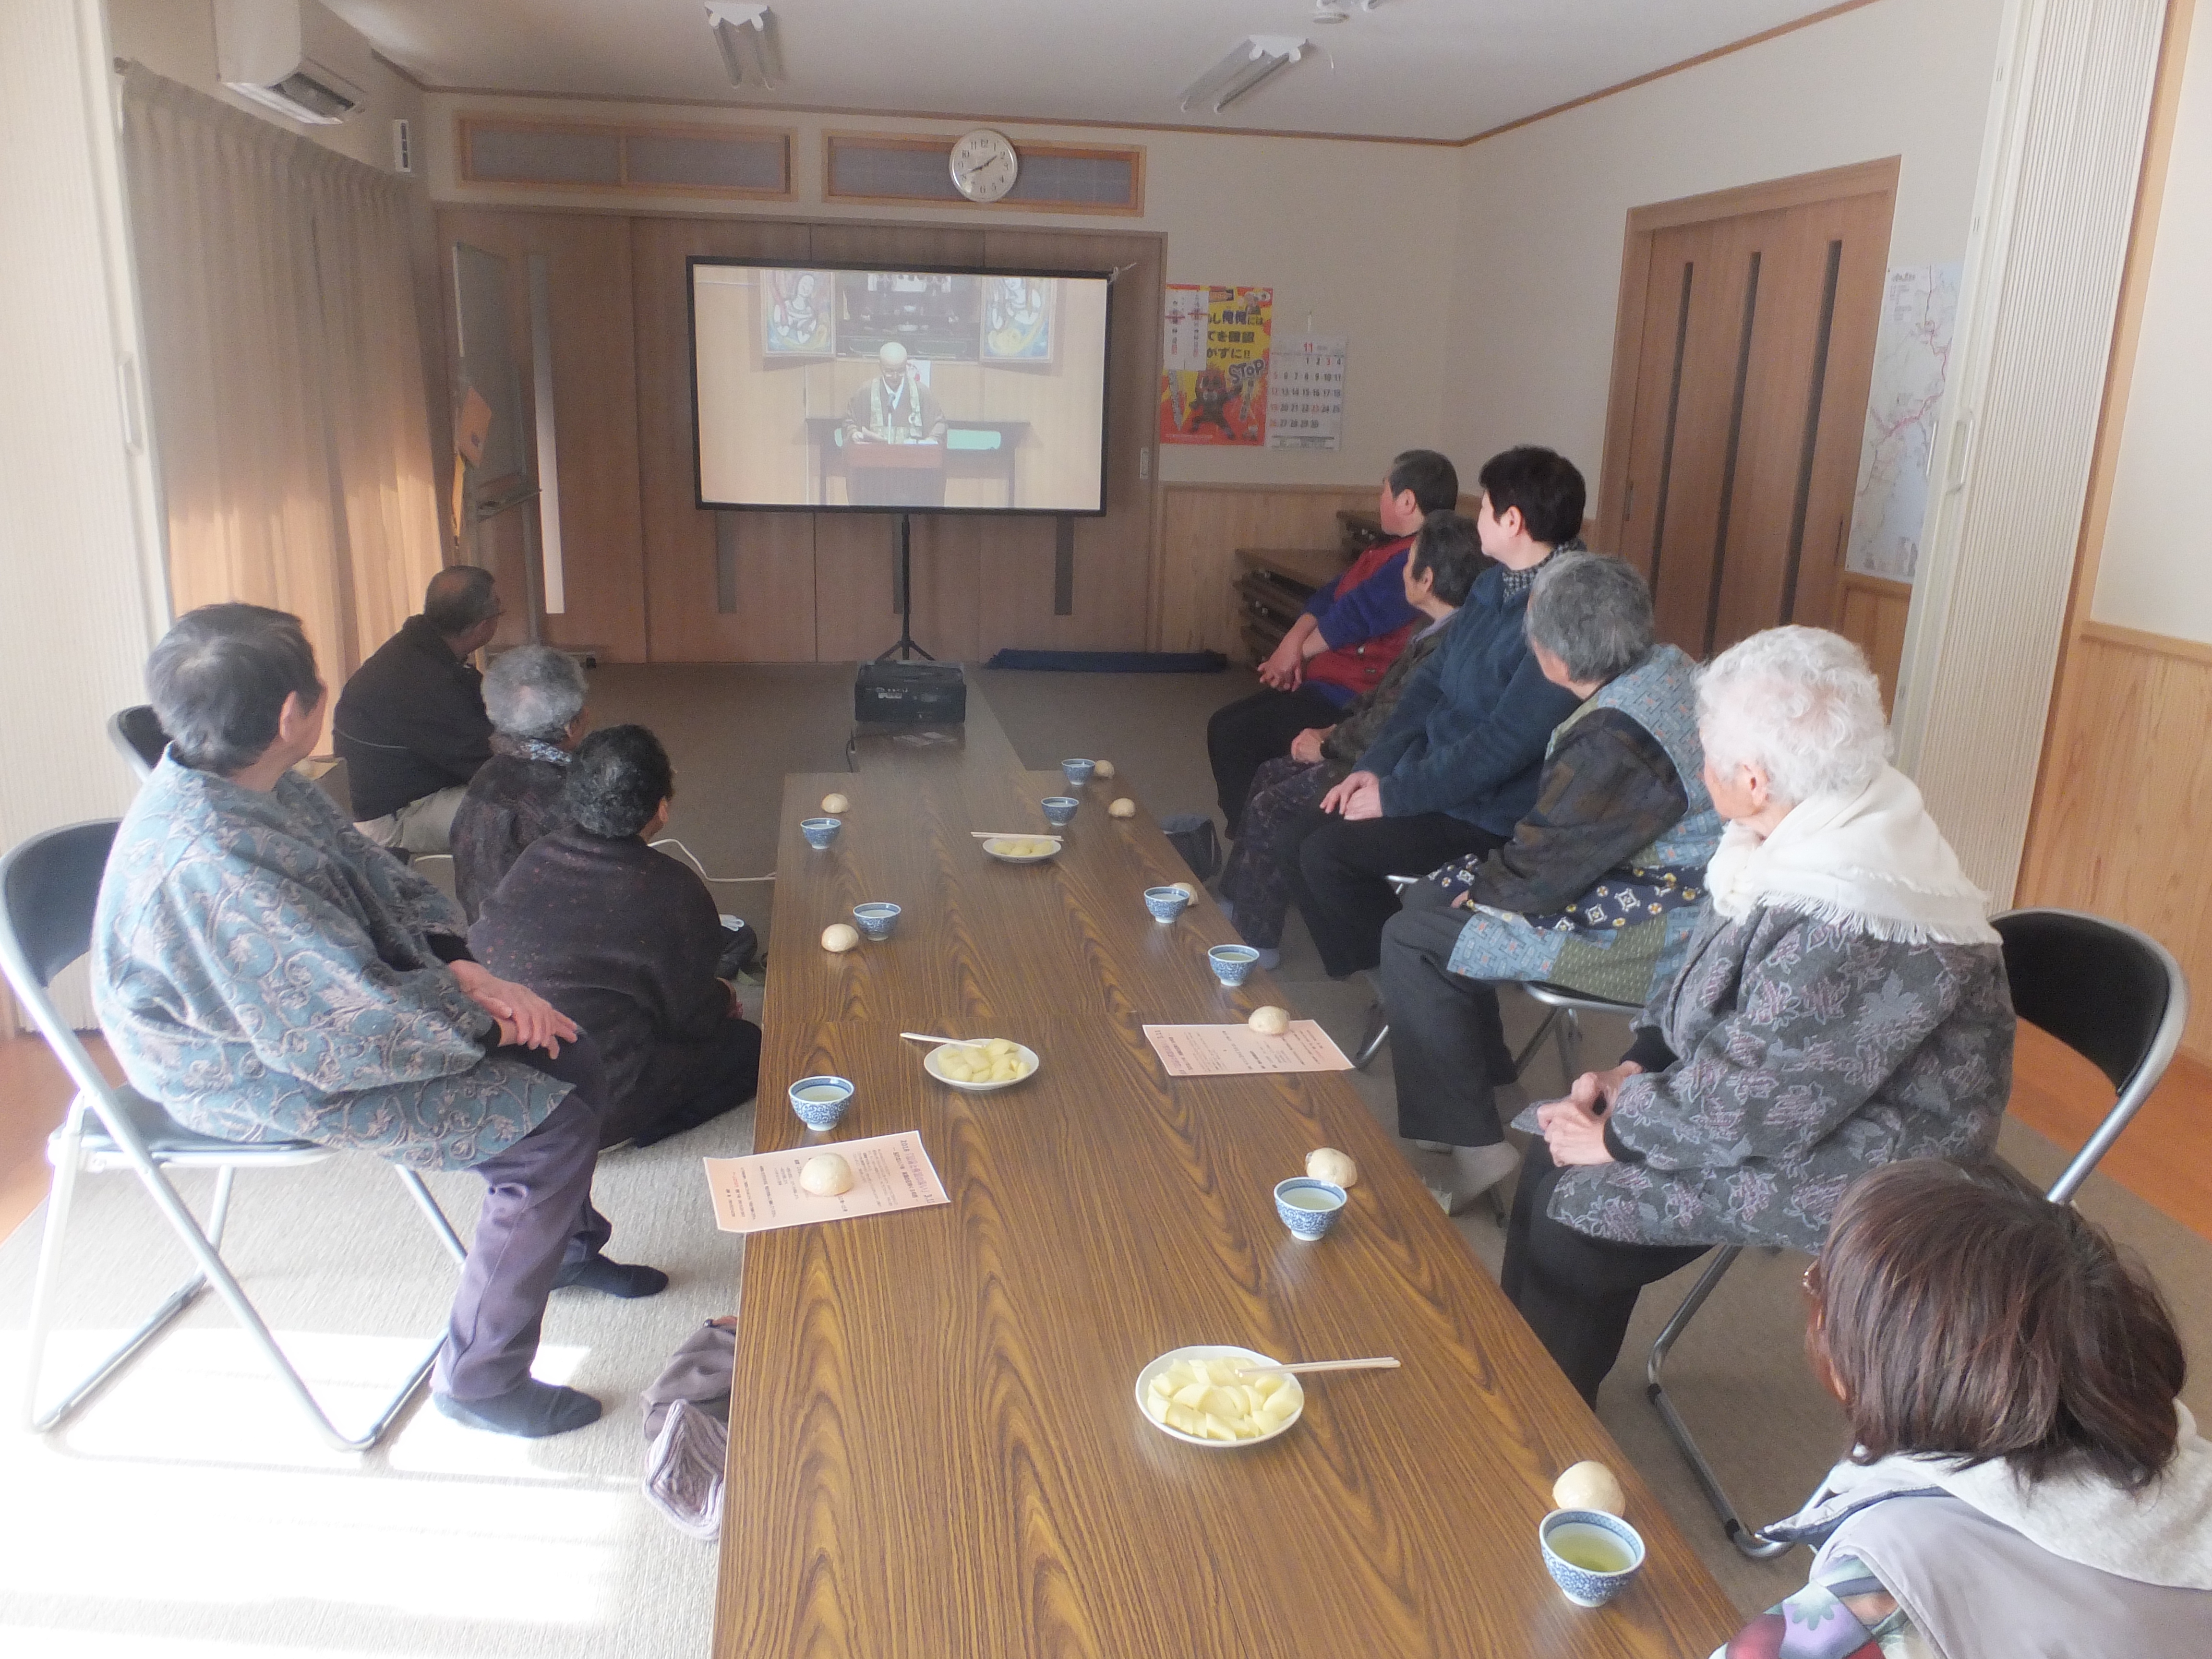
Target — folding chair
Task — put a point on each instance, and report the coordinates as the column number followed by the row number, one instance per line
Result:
column 48, row 889
column 2114, row 995
column 1562, row 1021
column 138, row 737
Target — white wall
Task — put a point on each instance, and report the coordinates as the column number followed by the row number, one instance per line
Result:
column 1543, row 209
column 1355, row 235
column 2155, row 571
column 78, row 598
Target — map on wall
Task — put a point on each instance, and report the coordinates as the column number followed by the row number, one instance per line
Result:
column 1912, row 359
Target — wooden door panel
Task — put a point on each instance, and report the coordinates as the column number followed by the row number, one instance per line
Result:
column 1739, row 398
column 762, row 564
column 1862, row 225
column 595, row 414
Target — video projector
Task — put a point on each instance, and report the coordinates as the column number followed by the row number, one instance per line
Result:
column 910, row 693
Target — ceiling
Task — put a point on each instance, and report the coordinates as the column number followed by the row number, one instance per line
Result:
column 1409, row 68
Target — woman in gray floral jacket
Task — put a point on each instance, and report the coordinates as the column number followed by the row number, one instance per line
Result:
column 1842, row 1005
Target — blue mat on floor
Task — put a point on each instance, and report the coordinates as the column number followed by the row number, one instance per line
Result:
column 1112, row 662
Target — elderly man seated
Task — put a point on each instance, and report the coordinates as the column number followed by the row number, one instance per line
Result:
column 1842, row 1003
column 1600, row 879
column 262, row 971
column 624, row 941
column 410, row 723
column 535, row 696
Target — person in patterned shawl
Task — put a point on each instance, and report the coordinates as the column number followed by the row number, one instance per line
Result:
column 535, row 696
column 1843, row 1003
column 1596, row 890
column 264, row 972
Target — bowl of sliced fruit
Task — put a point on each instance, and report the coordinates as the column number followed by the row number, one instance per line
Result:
column 1209, row 1396
column 1022, row 849
column 986, row 1063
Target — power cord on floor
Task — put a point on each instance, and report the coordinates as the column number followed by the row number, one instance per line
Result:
column 720, row 881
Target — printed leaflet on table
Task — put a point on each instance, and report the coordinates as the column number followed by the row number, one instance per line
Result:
column 1240, row 1051
column 889, row 1172
column 1213, row 385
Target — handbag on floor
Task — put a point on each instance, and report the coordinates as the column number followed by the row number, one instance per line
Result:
column 686, row 1416
column 1194, row 837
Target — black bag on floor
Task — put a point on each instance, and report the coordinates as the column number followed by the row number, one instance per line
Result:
column 1194, row 837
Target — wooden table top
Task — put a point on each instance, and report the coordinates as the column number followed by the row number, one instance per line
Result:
column 935, row 1449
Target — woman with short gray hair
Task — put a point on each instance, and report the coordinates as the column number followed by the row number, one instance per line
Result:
column 535, row 696
column 1841, row 1005
column 1596, row 890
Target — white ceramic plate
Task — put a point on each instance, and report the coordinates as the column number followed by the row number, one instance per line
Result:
column 932, row 1063
column 1209, row 1350
column 993, row 846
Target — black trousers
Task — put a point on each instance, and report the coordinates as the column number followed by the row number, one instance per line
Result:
column 1448, row 1049
column 687, row 1083
column 536, row 1218
column 1247, row 733
column 1338, row 878
column 1577, row 1292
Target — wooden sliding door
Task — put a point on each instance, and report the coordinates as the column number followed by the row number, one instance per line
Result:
column 1740, row 371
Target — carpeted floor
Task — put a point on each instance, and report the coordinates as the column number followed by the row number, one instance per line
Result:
column 190, row 1513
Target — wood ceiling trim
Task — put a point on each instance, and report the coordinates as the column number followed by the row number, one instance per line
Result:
column 1002, row 120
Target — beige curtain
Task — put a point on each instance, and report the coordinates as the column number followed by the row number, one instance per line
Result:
column 284, row 365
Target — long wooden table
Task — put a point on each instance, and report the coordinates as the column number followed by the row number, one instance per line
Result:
column 935, row 1449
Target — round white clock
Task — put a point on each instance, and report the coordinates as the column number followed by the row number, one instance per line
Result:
column 984, row 165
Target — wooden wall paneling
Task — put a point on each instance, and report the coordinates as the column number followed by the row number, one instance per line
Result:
column 1201, row 527
column 2127, row 788
column 595, row 385
column 775, row 551
column 1870, row 612
column 1112, row 607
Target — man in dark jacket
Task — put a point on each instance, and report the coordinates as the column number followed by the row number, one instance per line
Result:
column 624, row 941
column 1351, row 632
column 410, row 723
column 1456, row 766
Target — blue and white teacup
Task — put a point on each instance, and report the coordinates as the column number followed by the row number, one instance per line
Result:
column 1078, row 772
column 1595, row 1541
column 1308, row 1207
column 1165, row 904
column 820, row 832
column 876, row 920
column 1058, row 809
column 1231, row 962
column 821, row 1101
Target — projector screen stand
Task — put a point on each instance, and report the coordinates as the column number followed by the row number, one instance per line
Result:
column 905, row 646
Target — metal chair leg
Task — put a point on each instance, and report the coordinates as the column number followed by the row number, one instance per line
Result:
column 1543, row 1030
column 213, row 1271
column 1378, row 1033
column 1567, row 1034
column 1748, row 1540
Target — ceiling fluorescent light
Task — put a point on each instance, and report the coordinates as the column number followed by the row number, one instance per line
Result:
column 749, row 53
column 1247, row 65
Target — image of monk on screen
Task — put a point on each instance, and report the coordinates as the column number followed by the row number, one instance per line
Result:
column 894, row 407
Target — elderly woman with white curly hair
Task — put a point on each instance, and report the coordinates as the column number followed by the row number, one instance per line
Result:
column 535, row 696
column 1842, row 1005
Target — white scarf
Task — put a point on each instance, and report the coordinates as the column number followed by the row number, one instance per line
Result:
column 1876, row 859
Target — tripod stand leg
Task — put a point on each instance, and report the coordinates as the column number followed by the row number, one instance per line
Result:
column 905, row 646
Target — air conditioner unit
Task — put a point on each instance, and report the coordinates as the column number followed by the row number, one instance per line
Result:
column 261, row 53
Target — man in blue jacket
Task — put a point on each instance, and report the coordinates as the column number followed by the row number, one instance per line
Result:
column 1456, row 766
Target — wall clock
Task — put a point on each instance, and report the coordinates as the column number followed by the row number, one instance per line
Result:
column 984, row 165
